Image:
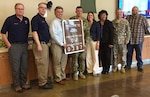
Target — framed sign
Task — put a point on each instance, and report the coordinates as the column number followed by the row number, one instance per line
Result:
column 73, row 36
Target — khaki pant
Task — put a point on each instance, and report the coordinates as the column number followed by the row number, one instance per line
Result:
column 92, row 61
column 42, row 62
column 59, row 60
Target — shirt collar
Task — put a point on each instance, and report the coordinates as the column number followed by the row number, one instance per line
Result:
column 40, row 16
column 135, row 16
column 59, row 19
column 18, row 18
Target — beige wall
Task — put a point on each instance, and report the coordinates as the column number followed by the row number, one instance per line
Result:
column 7, row 8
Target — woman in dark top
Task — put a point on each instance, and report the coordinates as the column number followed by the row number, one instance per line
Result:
column 92, row 62
column 106, row 40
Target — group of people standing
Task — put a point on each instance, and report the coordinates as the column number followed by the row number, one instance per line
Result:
column 100, row 37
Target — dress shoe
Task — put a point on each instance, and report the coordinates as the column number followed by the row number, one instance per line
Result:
column 50, row 83
column 127, row 67
column 49, row 80
column 46, row 86
column 18, row 89
column 105, row 72
column 61, row 82
column 140, row 70
column 26, row 87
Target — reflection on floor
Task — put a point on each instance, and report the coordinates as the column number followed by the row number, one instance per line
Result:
column 131, row 84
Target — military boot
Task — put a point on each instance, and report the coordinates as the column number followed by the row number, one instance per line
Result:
column 115, row 68
column 81, row 75
column 122, row 69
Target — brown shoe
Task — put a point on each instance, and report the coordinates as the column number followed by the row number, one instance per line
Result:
column 18, row 89
column 61, row 82
column 26, row 87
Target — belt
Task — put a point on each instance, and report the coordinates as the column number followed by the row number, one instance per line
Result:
column 43, row 42
column 18, row 42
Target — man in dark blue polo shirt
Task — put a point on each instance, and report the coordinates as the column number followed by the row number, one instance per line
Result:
column 41, row 35
column 17, row 27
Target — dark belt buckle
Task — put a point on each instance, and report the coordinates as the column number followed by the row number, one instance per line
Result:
column 43, row 42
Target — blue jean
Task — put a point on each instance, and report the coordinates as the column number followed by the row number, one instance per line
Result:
column 138, row 51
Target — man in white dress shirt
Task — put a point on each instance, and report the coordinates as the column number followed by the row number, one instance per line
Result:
column 59, row 58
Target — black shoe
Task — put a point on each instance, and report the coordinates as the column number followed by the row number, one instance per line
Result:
column 127, row 67
column 104, row 72
column 140, row 69
column 46, row 86
column 49, row 80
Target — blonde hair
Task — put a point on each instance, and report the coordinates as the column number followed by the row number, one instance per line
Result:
column 18, row 4
column 41, row 3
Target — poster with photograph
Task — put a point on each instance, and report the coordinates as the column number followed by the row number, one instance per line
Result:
column 73, row 36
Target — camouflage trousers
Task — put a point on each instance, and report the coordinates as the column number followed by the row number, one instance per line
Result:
column 78, row 62
column 120, row 51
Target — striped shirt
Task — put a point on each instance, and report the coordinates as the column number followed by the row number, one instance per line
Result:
column 138, row 26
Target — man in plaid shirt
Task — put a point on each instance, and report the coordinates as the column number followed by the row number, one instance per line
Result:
column 139, row 26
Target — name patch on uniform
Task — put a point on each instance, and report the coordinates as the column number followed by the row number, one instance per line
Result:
column 15, row 23
column 26, row 22
column 43, row 21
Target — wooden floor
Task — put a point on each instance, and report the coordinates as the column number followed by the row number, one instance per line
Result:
column 131, row 84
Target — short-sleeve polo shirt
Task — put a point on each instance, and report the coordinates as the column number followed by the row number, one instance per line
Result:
column 39, row 24
column 17, row 29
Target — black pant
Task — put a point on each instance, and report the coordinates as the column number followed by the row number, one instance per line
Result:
column 105, row 56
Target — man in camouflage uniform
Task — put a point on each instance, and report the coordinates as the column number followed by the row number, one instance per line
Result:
column 78, row 60
column 121, row 39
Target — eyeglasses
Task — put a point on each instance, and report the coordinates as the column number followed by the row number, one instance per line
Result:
column 19, row 8
column 43, row 7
